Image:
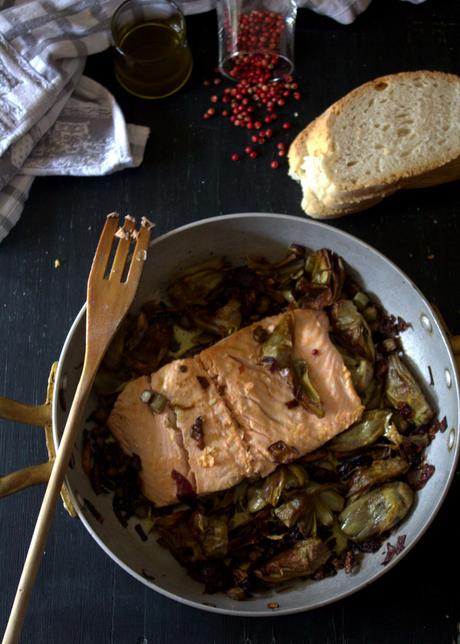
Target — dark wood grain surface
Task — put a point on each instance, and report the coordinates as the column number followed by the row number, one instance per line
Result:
column 80, row 594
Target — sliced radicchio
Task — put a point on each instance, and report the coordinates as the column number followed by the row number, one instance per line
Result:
column 203, row 382
column 184, row 489
column 393, row 550
column 197, row 433
column 283, row 453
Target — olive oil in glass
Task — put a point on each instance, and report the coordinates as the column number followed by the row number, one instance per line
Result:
column 152, row 57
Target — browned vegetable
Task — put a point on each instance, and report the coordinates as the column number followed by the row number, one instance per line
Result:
column 152, row 349
column 197, row 283
column 267, row 492
column 362, row 371
column 222, row 322
column 377, row 511
column 352, row 330
column 362, row 434
column 304, row 390
column 380, row 471
column 211, row 533
column 291, row 511
column 324, row 281
column 277, row 349
column 302, row 560
column 403, row 391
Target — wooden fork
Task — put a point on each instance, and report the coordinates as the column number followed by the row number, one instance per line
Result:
column 108, row 300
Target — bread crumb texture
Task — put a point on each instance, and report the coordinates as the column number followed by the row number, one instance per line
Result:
column 398, row 125
column 398, row 131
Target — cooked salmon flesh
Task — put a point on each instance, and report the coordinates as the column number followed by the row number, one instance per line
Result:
column 226, row 407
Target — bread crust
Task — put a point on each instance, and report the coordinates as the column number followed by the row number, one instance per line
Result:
column 316, row 140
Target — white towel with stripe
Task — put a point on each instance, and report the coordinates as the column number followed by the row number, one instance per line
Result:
column 53, row 120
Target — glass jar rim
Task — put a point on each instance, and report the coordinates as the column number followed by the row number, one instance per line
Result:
column 119, row 9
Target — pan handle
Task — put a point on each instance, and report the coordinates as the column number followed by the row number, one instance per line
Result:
column 455, row 344
column 39, row 415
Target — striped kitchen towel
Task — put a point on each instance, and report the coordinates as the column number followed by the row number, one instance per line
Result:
column 53, row 120
column 344, row 11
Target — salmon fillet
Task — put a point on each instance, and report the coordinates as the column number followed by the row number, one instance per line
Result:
column 241, row 406
column 257, row 397
column 154, row 438
column 223, row 461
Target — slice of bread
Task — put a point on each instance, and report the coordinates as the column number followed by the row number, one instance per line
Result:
column 398, row 131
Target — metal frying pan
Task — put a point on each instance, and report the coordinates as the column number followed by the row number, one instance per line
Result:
column 237, row 236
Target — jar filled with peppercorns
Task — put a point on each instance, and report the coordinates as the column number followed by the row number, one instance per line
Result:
column 256, row 39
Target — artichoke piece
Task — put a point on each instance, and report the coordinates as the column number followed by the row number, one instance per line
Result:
column 380, row 471
column 326, row 501
column 371, row 426
column 212, row 534
column 304, row 390
column 186, row 342
column 361, row 370
column 289, row 264
column 180, row 540
column 157, row 402
column 222, row 322
column 303, row 559
column 148, row 355
column 196, row 284
column 274, row 485
column 296, row 476
column 289, row 512
column 403, row 392
column 238, row 519
column 360, row 300
column 392, row 434
column 376, row 512
column 326, row 277
column 268, row 491
column 372, row 397
column 352, row 330
column 277, row 349
column 340, row 540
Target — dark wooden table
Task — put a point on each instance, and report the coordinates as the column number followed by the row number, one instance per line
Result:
column 80, row 594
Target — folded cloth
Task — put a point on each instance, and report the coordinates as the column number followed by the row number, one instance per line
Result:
column 53, row 120
column 344, row 11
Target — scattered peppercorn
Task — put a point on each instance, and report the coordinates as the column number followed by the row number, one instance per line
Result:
column 260, row 85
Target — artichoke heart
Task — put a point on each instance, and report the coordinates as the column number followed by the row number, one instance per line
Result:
column 380, row 471
column 402, row 390
column 303, row 559
column 196, row 284
column 278, row 346
column 376, row 512
column 304, row 390
column 222, row 322
column 361, row 370
column 371, row 427
column 267, row 492
column 352, row 330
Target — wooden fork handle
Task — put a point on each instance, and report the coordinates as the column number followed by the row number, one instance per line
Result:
column 38, row 541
